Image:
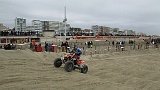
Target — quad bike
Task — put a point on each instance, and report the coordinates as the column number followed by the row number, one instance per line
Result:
column 71, row 62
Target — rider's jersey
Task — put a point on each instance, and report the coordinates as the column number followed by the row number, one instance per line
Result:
column 79, row 50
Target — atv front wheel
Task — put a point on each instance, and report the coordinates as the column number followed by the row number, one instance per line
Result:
column 84, row 69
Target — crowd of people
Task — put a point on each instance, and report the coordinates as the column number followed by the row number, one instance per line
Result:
column 48, row 47
column 17, row 33
column 8, row 46
column 66, row 45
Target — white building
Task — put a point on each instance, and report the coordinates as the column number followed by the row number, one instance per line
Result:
column 59, row 27
column 129, row 32
column 20, row 24
column 3, row 28
column 30, row 28
column 37, row 25
column 95, row 29
column 100, row 30
column 56, row 26
column 107, row 30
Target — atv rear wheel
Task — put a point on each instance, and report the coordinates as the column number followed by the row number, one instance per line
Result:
column 57, row 62
column 69, row 66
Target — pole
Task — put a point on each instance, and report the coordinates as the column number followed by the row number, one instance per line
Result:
column 65, row 19
column 65, row 30
column 59, row 30
column 59, row 27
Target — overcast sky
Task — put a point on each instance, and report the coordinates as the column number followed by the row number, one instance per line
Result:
column 137, row 15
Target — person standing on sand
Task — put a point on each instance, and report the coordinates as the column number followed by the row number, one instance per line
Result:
column 46, row 45
column 66, row 46
column 91, row 44
column 31, row 46
column 50, row 47
column 112, row 43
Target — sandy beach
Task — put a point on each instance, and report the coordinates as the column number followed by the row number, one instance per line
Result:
column 126, row 70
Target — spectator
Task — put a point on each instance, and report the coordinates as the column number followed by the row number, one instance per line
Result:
column 66, row 46
column 88, row 44
column 85, row 43
column 91, row 44
column 46, row 45
column 49, row 47
column 112, row 43
column 31, row 45
column 62, row 44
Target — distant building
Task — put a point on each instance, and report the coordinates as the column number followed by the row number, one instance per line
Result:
column 30, row 28
column 114, row 31
column 120, row 32
column 59, row 27
column 37, row 25
column 95, row 29
column 129, row 32
column 102, row 30
column 141, row 34
column 56, row 26
column 75, row 31
column 3, row 28
column 107, row 30
column 20, row 24
column 87, row 32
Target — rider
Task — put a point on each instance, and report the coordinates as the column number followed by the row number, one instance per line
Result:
column 77, row 51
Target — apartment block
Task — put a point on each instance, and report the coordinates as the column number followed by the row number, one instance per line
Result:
column 102, row 30
column 58, row 27
column 37, row 25
column 20, row 24
column 107, row 30
column 95, row 29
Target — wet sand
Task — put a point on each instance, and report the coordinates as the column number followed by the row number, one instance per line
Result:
column 126, row 70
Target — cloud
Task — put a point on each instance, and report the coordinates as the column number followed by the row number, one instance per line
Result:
column 138, row 15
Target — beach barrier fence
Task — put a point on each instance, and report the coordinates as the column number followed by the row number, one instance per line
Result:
column 103, row 47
